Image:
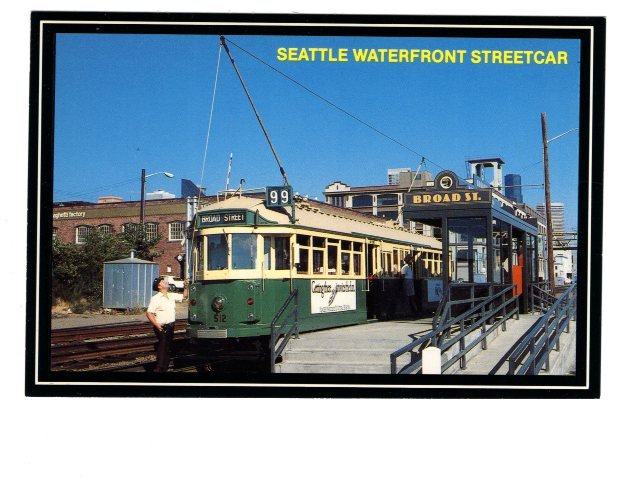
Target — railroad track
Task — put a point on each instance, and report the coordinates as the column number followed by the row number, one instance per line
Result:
column 130, row 347
column 107, row 347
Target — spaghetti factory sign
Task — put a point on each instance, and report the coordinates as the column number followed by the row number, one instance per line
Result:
column 450, row 198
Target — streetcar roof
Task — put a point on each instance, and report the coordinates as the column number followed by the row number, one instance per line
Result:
column 323, row 216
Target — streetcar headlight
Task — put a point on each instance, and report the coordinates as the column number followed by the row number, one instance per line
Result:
column 218, row 303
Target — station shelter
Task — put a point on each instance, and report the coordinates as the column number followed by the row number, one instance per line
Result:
column 485, row 240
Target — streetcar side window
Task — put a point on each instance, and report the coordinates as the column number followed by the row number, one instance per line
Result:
column 332, row 259
column 282, row 253
column 386, row 258
column 244, row 251
column 318, row 260
column 304, row 261
column 345, row 262
column 267, row 253
column 357, row 262
column 395, row 261
column 303, row 244
column 318, row 255
column 217, row 252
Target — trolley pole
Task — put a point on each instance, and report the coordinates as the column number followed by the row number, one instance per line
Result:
column 549, row 228
column 266, row 134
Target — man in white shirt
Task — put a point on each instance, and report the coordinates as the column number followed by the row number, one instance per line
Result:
column 407, row 274
column 161, row 312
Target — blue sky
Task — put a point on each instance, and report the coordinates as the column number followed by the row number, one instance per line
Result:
column 126, row 102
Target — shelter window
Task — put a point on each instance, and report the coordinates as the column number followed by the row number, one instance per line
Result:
column 244, row 251
column 82, row 232
column 176, row 231
column 467, row 245
column 217, row 251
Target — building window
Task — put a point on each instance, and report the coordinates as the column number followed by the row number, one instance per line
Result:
column 54, row 233
column 151, row 231
column 129, row 227
column 362, row 201
column 82, row 232
column 387, row 199
column 337, row 201
column 106, row 229
column 176, row 231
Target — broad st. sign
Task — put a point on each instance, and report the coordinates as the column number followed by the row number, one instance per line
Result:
column 454, row 197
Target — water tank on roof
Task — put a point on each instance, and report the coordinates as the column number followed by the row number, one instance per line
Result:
column 128, row 282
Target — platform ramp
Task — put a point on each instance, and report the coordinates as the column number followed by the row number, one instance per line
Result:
column 493, row 361
column 355, row 349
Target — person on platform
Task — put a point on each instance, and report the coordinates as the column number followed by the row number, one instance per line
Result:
column 407, row 274
column 161, row 312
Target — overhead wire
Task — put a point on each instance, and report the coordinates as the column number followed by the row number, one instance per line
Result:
column 333, row 105
column 214, row 94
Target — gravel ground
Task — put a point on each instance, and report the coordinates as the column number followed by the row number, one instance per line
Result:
column 83, row 319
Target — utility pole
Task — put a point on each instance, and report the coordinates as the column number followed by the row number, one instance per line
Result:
column 549, row 228
column 142, row 212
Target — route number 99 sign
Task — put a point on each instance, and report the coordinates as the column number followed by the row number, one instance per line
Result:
column 279, row 197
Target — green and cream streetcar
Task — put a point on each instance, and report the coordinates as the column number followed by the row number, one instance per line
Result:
column 342, row 266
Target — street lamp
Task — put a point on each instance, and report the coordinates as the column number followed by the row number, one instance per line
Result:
column 549, row 227
column 143, row 178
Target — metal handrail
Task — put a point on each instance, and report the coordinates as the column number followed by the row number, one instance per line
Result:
column 533, row 353
column 469, row 321
column 292, row 319
column 542, row 298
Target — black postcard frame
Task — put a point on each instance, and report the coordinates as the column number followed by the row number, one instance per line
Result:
column 40, row 381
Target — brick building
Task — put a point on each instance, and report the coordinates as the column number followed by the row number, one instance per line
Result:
column 73, row 220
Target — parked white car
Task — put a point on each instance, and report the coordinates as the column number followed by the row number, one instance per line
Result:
column 175, row 283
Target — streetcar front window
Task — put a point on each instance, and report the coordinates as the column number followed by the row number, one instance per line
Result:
column 244, row 251
column 217, row 252
column 200, row 255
